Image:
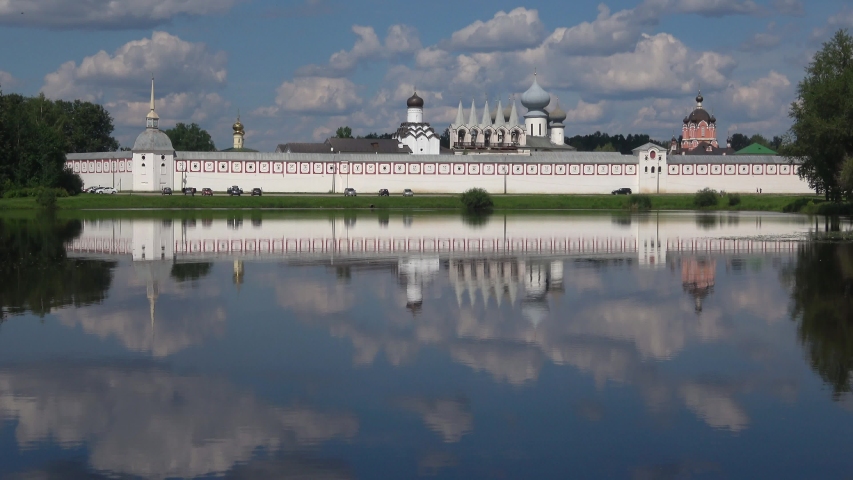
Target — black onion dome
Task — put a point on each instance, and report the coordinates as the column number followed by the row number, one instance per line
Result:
column 699, row 98
column 699, row 115
column 415, row 101
column 713, row 119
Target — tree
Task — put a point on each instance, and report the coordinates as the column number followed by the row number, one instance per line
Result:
column 343, row 132
column 190, row 138
column 759, row 139
column 607, row 147
column 739, row 141
column 444, row 139
column 822, row 114
column 618, row 143
column 374, row 135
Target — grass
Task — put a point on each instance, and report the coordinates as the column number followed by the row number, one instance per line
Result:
column 764, row 202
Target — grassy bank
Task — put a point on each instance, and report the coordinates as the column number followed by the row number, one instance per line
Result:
column 766, row 202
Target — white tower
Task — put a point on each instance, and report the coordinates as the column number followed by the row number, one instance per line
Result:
column 535, row 99
column 238, row 133
column 557, row 115
column 415, row 111
column 153, row 155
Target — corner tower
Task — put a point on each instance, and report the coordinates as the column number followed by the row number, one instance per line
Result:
column 153, row 155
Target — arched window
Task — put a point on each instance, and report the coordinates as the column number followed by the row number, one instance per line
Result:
column 514, row 137
column 647, row 169
column 653, row 169
column 474, row 135
column 461, row 137
column 487, row 138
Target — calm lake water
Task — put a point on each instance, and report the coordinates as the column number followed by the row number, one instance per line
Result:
column 391, row 346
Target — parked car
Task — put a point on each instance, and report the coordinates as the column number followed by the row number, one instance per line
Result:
column 408, row 192
column 383, row 192
column 167, row 191
column 188, row 191
column 234, row 190
column 206, row 192
column 621, row 191
column 92, row 189
column 349, row 192
column 107, row 190
column 256, row 192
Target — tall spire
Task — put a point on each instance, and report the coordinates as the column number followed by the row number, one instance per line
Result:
column 513, row 116
column 499, row 118
column 152, row 120
column 459, row 117
column 472, row 118
column 487, row 117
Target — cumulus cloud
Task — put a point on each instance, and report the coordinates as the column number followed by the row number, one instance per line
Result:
column 520, row 28
column 659, row 65
column 401, row 40
column 789, row 7
column 765, row 96
column 177, row 65
column 105, row 14
column 585, row 112
column 7, row 80
column 316, row 96
column 607, row 34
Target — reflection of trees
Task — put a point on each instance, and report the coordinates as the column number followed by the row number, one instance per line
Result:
column 822, row 302
column 38, row 276
column 185, row 272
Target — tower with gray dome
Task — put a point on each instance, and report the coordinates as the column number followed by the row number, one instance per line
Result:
column 153, row 163
column 535, row 99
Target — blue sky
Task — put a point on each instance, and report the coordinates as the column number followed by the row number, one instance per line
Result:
column 298, row 70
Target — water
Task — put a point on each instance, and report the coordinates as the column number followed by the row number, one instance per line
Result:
column 388, row 346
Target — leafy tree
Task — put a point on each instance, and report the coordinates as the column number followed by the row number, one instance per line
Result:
column 477, row 200
column 619, row 143
column 706, row 197
column 846, row 178
column 759, row 139
column 343, row 132
column 740, row 141
column 383, row 136
column 607, row 147
column 822, row 114
column 190, row 138
column 444, row 139
column 776, row 143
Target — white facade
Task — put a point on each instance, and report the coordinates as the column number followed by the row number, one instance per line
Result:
column 420, row 137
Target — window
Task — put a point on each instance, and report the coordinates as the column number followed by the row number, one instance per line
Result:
column 540, row 129
column 653, row 169
column 647, row 169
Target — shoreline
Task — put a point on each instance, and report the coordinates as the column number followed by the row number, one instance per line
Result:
column 327, row 202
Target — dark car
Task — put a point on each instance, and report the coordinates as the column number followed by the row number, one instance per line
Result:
column 167, row 191
column 188, row 191
column 234, row 190
column 383, row 192
column 349, row 192
column 256, row 192
column 206, row 192
column 621, row 191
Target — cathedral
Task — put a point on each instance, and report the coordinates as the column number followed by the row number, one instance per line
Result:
column 699, row 134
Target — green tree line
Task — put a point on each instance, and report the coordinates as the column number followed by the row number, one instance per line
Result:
column 36, row 133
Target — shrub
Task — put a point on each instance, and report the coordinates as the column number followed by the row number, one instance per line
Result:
column 796, row 205
column 70, row 182
column 46, row 199
column 706, row 197
column 639, row 202
column 734, row 199
column 33, row 192
column 477, row 200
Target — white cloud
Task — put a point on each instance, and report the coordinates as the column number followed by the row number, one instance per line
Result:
column 842, row 19
column 585, row 112
column 400, row 41
column 520, row 28
column 449, row 417
column 717, row 8
column 789, row 7
column 766, row 96
column 7, row 81
column 608, row 33
column 760, row 42
column 317, row 96
column 176, row 64
column 104, row 14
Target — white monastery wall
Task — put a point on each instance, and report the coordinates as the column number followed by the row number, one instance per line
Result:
column 561, row 173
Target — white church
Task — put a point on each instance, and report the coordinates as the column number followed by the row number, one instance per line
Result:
column 494, row 151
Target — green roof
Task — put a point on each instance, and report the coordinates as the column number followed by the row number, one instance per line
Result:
column 755, row 149
column 237, row 150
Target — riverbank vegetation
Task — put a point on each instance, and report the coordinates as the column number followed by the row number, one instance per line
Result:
column 762, row 202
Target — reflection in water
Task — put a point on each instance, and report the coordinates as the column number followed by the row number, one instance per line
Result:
column 144, row 420
column 635, row 329
column 37, row 275
column 821, row 286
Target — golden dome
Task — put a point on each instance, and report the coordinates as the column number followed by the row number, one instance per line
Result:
column 238, row 127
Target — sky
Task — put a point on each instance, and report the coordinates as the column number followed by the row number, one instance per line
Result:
column 298, row 70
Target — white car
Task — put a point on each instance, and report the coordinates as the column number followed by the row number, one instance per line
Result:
column 107, row 190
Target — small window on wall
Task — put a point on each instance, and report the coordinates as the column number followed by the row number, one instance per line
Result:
column 653, row 169
column 647, row 169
